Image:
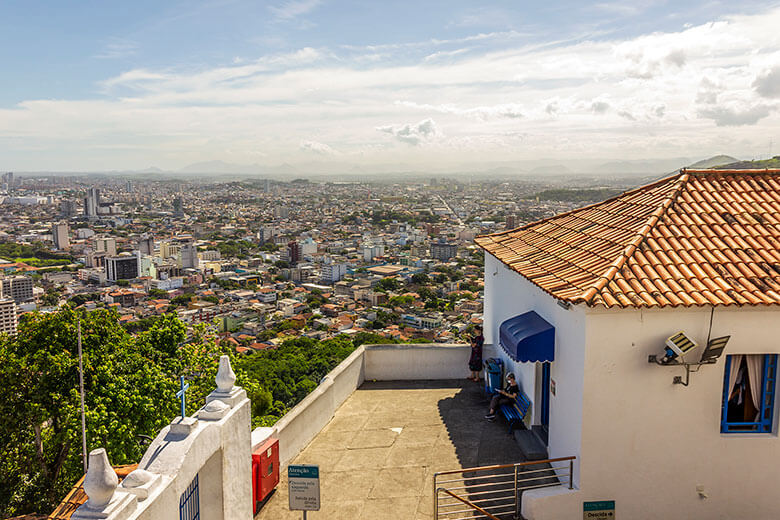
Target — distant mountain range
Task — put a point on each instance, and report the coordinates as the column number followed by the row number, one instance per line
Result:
column 774, row 162
column 714, row 162
column 629, row 171
column 222, row 167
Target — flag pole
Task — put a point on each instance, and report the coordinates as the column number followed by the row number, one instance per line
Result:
column 81, row 393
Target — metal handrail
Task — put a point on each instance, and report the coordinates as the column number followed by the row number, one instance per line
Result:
column 496, row 484
column 468, row 503
column 503, row 466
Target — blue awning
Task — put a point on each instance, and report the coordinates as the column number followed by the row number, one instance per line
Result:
column 528, row 337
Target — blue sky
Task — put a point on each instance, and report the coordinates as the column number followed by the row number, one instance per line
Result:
column 109, row 85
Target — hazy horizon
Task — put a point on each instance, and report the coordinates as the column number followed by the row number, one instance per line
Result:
column 321, row 86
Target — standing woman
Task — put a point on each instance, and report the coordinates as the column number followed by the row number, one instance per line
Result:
column 475, row 361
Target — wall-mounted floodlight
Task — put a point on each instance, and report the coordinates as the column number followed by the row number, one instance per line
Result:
column 680, row 344
column 677, row 345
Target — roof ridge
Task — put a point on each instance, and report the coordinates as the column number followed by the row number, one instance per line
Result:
column 655, row 217
column 644, row 187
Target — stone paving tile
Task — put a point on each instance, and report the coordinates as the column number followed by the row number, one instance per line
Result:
column 398, row 482
column 359, row 460
column 390, row 508
column 370, row 471
column 381, row 438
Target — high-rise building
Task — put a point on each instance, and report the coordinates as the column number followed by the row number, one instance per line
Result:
column 8, row 319
column 189, row 256
column 178, row 207
column 443, row 251
column 332, row 273
column 106, row 244
column 67, row 208
column 371, row 251
column 511, row 222
column 293, row 252
column 123, row 267
column 59, row 235
column 146, row 245
column 92, row 203
column 8, row 182
column 19, row 288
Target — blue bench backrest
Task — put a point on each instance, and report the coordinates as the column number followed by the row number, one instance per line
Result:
column 522, row 403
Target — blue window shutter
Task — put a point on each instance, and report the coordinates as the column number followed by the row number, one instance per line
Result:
column 768, row 388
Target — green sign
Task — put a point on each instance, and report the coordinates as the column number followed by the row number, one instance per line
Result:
column 303, row 471
column 598, row 510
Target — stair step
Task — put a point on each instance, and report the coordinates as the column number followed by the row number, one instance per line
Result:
column 531, row 446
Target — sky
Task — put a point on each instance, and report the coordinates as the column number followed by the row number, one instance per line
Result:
column 96, row 85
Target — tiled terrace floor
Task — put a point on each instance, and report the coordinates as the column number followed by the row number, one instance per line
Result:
column 378, row 455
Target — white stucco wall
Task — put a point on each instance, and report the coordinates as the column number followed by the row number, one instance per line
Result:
column 217, row 450
column 508, row 294
column 417, row 361
column 647, row 443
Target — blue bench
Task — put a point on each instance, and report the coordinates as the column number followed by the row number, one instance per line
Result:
column 515, row 411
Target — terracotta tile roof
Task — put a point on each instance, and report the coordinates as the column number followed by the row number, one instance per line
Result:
column 76, row 495
column 701, row 237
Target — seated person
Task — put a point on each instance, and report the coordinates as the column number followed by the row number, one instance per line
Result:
column 504, row 396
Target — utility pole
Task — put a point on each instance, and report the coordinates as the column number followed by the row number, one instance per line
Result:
column 81, row 393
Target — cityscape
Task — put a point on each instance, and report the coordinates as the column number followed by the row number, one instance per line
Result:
column 339, row 260
column 258, row 261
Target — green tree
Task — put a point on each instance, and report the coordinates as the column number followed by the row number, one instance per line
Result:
column 129, row 381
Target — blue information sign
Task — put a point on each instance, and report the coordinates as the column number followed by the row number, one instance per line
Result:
column 303, row 471
column 598, row 510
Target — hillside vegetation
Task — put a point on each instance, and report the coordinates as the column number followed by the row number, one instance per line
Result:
column 772, row 163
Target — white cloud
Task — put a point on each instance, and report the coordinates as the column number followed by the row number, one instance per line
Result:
column 413, row 134
column 731, row 116
column 444, row 54
column 599, row 107
column 664, row 93
column 318, row 148
column 293, row 8
column 506, row 110
column 118, row 48
column 768, row 83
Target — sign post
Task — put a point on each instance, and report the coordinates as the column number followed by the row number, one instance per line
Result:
column 304, row 488
column 598, row 510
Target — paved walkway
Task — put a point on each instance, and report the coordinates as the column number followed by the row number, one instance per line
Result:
column 378, row 455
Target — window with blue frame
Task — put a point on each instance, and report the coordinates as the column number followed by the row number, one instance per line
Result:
column 749, row 386
column 189, row 502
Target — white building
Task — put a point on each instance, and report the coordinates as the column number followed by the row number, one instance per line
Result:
column 332, row 273
column 197, row 467
column 575, row 305
column 8, row 318
column 209, row 256
column 371, row 251
column 18, row 288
